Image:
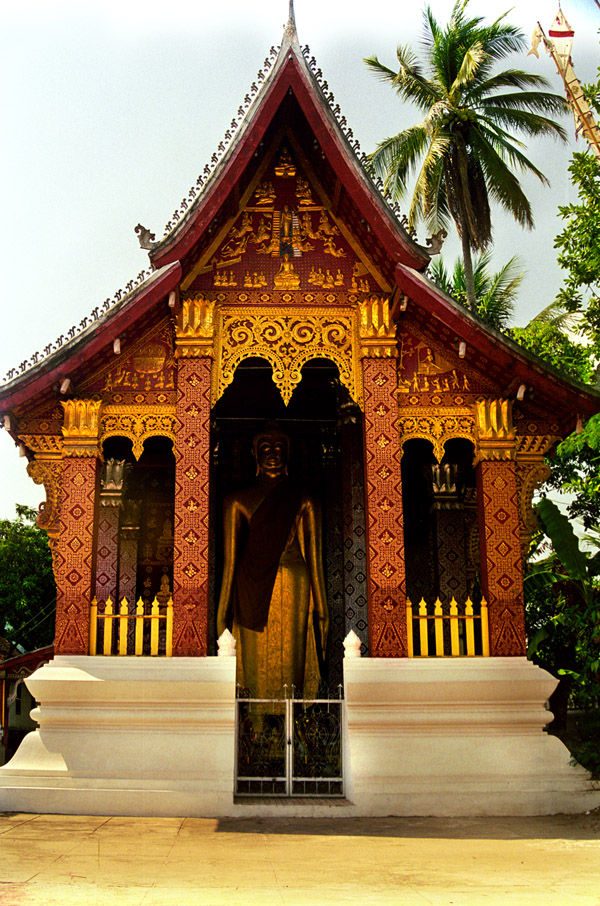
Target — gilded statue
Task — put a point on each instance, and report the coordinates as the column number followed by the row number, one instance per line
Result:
column 273, row 590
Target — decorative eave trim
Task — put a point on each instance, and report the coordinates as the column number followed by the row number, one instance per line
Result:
column 290, row 71
column 77, row 351
column 521, row 366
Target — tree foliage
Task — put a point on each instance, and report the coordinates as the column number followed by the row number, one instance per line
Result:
column 464, row 151
column 563, row 607
column 27, row 588
column 495, row 294
column 552, row 335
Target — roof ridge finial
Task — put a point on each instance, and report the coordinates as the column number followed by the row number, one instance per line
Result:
column 290, row 35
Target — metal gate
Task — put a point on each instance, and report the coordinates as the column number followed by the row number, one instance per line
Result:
column 288, row 747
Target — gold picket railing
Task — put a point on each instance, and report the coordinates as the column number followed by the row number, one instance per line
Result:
column 117, row 623
column 468, row 634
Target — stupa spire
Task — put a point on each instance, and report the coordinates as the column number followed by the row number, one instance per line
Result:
column 290, row 35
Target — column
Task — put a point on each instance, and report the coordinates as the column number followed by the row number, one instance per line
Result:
column 111, row 492
column 383, row 483
column 499, row 535
column 194, row 346
column 74, row 557
column 128, row 552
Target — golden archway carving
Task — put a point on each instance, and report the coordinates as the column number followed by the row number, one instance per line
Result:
column 287, row 338
column 438, row 426
column 138, row 423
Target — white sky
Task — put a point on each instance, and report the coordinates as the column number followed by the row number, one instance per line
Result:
column 111, row 109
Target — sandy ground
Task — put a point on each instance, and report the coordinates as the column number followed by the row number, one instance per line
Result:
column 53, row 860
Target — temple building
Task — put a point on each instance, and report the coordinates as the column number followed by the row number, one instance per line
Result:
column 288, row 290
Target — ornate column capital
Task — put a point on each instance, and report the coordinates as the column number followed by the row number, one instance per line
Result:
column 112, row 482
column 495, row 432
column 377, row 328
column 81, row 427
column 195, row 328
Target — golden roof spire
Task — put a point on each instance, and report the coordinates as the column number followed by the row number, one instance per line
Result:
column 290, row 35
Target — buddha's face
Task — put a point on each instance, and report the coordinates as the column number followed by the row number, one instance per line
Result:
column 272, row 455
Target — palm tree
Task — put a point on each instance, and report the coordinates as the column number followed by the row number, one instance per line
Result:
column 495, row 294
column 465, row 145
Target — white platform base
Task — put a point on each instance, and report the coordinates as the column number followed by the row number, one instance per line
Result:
column 456, row 736
column 155, row 737
column 127, row 736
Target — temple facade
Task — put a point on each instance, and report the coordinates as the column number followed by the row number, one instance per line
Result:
column 287, row 289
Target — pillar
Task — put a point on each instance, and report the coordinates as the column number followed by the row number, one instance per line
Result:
column 193, row 350
column 74, row 557
column 499, row 534
column 383, row 483
column 107, row 569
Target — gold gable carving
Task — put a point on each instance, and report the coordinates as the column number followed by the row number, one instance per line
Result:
column 287, row 338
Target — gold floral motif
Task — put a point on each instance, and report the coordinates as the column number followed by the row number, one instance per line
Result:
column 287, row 339
column 437, row 426
column 534, row 447
column 49, row 445
column 80, row 429
column 138, row 423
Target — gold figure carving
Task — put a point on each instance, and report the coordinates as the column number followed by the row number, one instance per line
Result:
column 495, row 430
column 377, row 329
column 263, row 232
column 303, row 193
column 237, row 239
column 286, row 277
column 225, row 279
column 80, row 429
column 138, row 423
column 285, row 167
column 194, row 328
column 273, row 589
column 330, row 248
column 265, row 193
column 287, row 338
column 437, row 426
column 255, row 280
column 306, row 227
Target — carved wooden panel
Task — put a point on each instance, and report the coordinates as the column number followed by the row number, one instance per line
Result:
column 74, row 555
column 386, row 573
column 190, row 561
column 501, row 566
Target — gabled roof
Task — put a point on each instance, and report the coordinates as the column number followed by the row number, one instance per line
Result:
column 292, row 104
column 290, row 76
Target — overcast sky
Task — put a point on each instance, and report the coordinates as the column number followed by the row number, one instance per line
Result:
column 111, row 109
